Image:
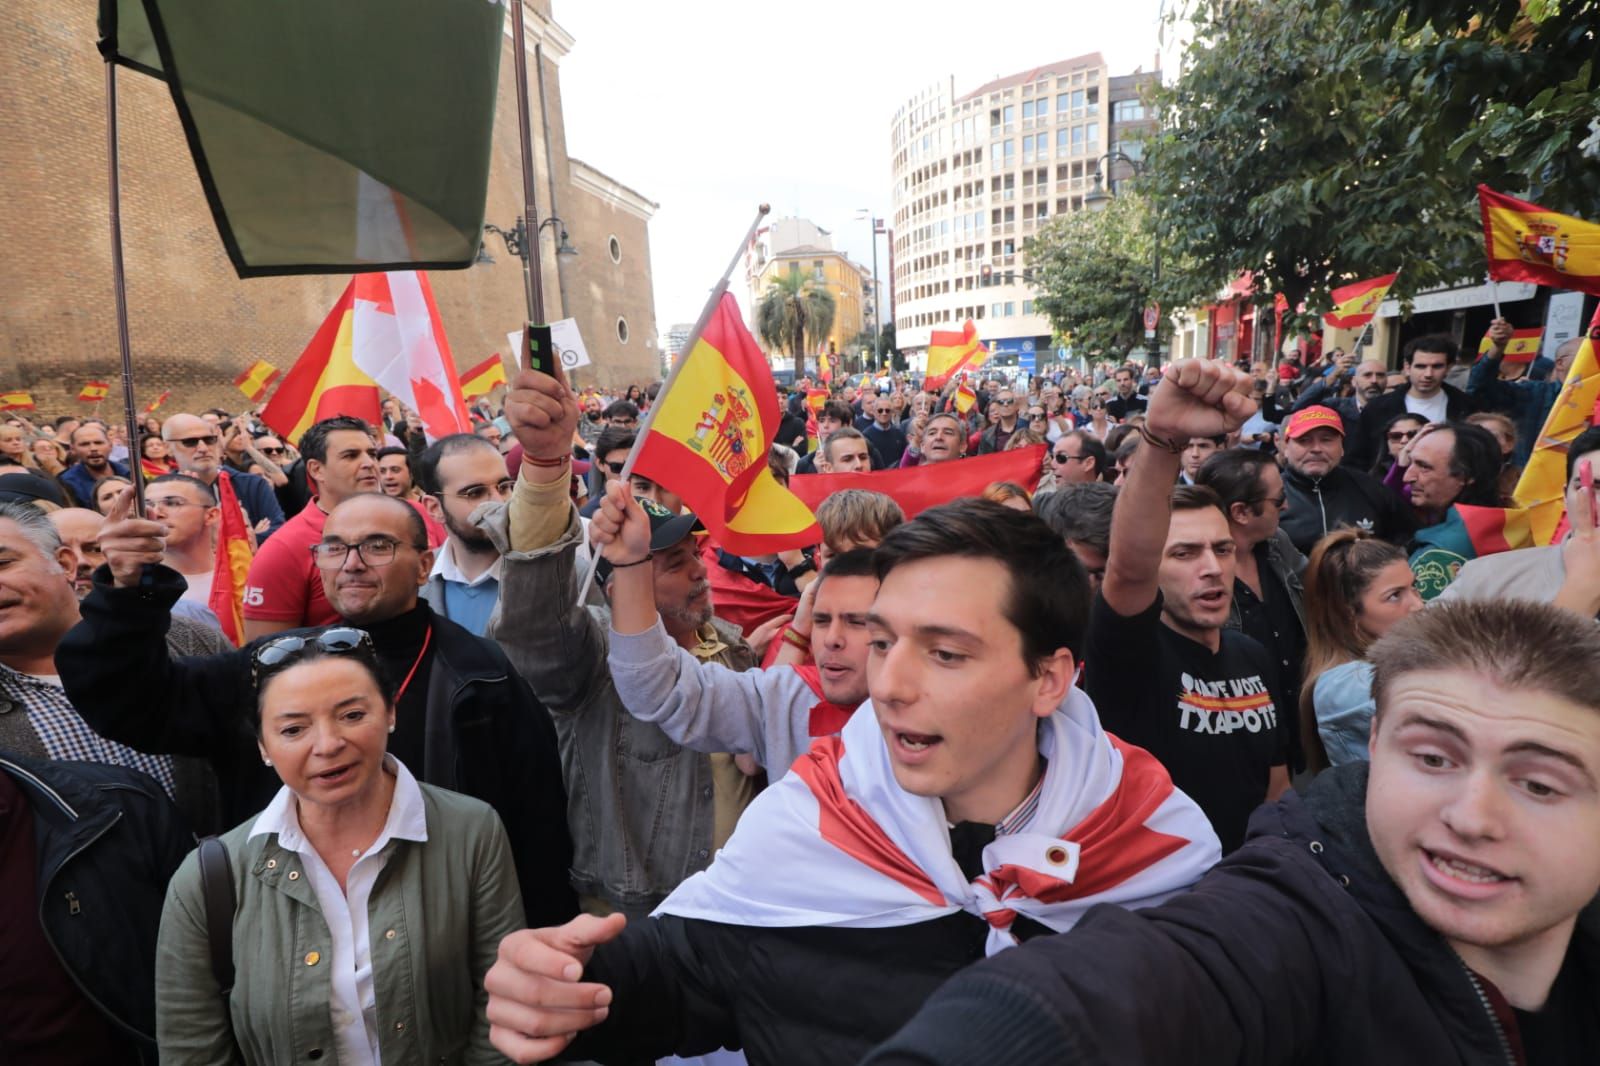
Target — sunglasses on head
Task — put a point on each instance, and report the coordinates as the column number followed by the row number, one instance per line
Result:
column 285, row 651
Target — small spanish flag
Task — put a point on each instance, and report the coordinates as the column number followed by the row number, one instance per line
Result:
column 94, row 392
column 20, row 400
column 482, row 379
column 709, row 437
column 950, row 352
column 1355, row 304
column 1521, row 348
column 965, row 397
column 157, row 402
column 256, row 380
column 1524, row 242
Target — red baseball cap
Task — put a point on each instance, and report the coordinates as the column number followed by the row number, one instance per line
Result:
column 1314, row 417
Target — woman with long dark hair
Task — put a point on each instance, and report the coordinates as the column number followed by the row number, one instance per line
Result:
column 1356, row 587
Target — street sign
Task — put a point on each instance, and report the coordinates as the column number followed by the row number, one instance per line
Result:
column 1152, row 317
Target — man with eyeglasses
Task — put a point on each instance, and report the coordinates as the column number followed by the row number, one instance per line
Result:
column 1077, row 459
column 188, row 508
column 464, row 717
column 284, row 590
column 457, row 475
column 996, row 437
column 196, row 446
column 1323, row 493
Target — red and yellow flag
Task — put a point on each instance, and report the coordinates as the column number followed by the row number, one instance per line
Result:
column 824, row 368
column 94, row 392
column 483, row 378
column 708, row 439
column 1523, row 346
column 233, row 562
column 157, row 402
column 950, row 352
column 257, row 379
column 1542, row 487
column 965, row 397
column 1524, row 242
column 17, row 400
column 917, row 488
column 1356, row 303
column 325, row 380
column 815, row 400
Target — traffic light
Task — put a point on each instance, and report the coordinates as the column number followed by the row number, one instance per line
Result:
column 985, row 276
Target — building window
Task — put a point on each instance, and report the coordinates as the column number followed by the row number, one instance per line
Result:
column 994, row 310
column 622, row 329
column 1027, row 307
column 614, row 246
column 1127, row 111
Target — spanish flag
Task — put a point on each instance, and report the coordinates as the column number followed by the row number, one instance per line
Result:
column 19, row 400
column 1355, row 304
column 257, row 379
column 917, row 488
column 1542, row 487
column 233, row 562
column 94, row 392
column 157, row 402
column 708, row 438
column 482, row 379
column 965, row 397
column 1521, row 348
column 1524, row 242
column 950, row 352
column 815, row 400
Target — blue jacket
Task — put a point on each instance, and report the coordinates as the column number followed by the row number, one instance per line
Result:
column 1527, row 400
column 77, row 478
column 258, row 500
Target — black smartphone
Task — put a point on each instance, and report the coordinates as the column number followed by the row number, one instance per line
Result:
column 541, row 351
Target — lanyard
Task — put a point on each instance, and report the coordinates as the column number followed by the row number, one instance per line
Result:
column 426, row 638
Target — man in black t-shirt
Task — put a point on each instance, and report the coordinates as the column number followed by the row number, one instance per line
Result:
column 1159, row 664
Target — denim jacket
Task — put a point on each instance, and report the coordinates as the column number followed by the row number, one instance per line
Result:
column 640, row 807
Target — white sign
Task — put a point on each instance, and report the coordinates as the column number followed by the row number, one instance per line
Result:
column 1454, row 299
column 1563, row 321
column 564, row 335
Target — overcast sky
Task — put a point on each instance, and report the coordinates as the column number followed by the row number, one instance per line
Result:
column 710, row 107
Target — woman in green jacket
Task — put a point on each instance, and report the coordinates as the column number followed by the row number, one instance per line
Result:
column 368, row 906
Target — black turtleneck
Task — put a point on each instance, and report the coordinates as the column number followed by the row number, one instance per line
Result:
column 398, row 642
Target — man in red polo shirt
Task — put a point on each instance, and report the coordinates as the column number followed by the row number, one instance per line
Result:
column 284, row 590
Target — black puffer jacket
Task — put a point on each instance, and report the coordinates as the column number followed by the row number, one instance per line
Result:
column 1297, row 948
column 108, row 840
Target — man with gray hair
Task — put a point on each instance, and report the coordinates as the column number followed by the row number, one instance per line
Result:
column 38, row 605
column 1081, row 515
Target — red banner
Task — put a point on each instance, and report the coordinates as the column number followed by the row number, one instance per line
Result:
column 918, row 488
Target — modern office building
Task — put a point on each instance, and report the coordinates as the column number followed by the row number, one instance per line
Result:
column 977, row 175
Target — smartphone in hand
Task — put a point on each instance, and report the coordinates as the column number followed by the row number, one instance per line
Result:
column 540, row 351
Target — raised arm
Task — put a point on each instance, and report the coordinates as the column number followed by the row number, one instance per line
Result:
column 1196, row 398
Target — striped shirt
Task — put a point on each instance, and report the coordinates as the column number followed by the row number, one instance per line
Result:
column 1022, row 813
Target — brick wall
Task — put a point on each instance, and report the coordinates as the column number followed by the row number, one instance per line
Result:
column 194, row 324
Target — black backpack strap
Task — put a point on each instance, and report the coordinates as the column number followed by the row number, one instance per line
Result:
column 216, row 886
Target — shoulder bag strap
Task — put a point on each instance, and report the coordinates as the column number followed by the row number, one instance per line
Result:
column 216, row 885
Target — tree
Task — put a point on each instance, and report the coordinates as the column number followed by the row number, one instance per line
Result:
column 1094, row 273
column 794, row 315
column 1316, row 143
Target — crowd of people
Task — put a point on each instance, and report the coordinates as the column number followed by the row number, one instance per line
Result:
column 1209, row 740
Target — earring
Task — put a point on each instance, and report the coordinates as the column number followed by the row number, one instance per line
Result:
column 391, row 729
column 266, row 762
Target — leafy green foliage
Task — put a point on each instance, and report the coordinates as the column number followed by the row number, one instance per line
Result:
column 794, row 315
column 1317, row 142
column 1093, row 273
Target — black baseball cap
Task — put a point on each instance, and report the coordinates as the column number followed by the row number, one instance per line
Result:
column 666, row 529
column 31, row 488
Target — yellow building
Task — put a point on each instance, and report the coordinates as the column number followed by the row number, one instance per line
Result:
column 799, row 246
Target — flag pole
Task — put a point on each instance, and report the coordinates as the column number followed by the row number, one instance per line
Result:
column 672, row 375
column 119, row 280
column 1494, row 294
column 532, row 273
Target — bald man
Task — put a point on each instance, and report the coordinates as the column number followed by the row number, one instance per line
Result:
column 198, row 448
column 1369, row 378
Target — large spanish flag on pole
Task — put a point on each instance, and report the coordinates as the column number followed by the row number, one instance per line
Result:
column 385, row 330
column 1542, row 487
column 950, row 352
column 1524, row 242
column 708, row 438
column 1356, row 303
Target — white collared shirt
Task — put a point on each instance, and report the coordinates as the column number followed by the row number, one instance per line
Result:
column 351, row 1000
column 445, row 566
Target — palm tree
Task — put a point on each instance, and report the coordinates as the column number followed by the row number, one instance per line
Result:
column 794, row 313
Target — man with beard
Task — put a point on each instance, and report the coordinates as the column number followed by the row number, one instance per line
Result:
column 645, row 812
column 1368, row 378
column 92, row 450
column 457, row 473
column 1162, row 666
column 771, row 714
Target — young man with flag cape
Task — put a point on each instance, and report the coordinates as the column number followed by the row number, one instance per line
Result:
column 973, row 803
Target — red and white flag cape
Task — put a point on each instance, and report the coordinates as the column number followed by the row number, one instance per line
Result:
column 836, row 842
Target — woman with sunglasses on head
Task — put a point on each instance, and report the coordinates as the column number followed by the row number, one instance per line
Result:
column 1356, row 588
column 367, row 906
